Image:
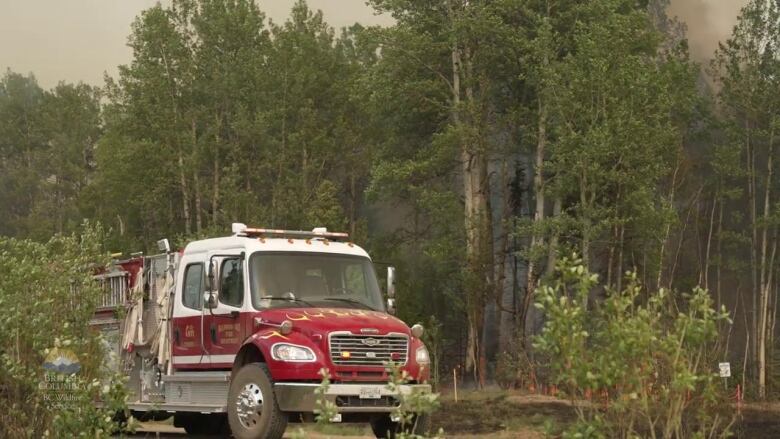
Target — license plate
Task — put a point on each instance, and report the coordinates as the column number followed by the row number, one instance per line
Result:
column 370, row 392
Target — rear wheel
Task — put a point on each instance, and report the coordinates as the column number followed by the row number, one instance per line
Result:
column 386, row 428
column 252, row 409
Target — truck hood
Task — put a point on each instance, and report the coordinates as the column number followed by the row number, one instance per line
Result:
column 324, row 320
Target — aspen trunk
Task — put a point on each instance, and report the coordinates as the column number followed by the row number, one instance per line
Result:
column 719, row 253
column 667, row 232
column 353, row 195
column 477, row 218
column 196, row 181
column 621, row 241
column 185, row 195
column 705, row 276
column 765, row 276
column 753, row 240
column 198, row 203
column 552, row 251
column 585, row 218
column 505, row 313
column 611, row 257
column 537, row 240
column 215, row 194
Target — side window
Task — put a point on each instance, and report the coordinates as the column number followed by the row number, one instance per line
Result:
column 194, row 286
column 231, row 282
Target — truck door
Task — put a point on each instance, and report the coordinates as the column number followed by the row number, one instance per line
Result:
column 223, row 328
column 187, row 346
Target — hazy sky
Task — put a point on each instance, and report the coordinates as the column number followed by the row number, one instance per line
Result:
column 708, row 21
column 78, row 40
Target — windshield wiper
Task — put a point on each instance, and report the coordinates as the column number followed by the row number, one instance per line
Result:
column 353, row 301
column 286, row 299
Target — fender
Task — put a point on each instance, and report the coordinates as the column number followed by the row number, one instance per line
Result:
column 265, row 339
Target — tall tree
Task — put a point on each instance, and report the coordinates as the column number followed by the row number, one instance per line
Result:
column 46, row 154
column 747, row 67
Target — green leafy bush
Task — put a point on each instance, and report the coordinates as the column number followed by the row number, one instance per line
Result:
column 413, row 408
column 48, row 296
column 638, row 363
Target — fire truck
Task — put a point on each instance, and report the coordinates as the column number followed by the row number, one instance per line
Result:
column 231, row 335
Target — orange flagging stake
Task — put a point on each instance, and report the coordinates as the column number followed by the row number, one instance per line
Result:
column 739, row 396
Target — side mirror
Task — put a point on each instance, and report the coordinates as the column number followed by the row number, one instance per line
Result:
column 390, row 305
column 209, row 300
column 164, row 246
column 390, row 282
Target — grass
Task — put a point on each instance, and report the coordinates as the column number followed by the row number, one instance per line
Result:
column 495, row 411
column 339, row 429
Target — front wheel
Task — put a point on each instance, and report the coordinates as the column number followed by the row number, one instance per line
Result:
column 253, row 412
column 385, row 428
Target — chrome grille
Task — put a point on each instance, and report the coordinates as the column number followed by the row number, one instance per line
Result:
column 368, row 350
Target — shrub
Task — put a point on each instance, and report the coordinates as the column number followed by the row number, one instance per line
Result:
column 48, row 296
column 645, row 360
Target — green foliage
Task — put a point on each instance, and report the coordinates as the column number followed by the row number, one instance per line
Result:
column 645, row 357
column 223, row 116
column 746, row 69
column 47, row 141
column 618, row 111
column 412, row 405
column 326, row 409
column 49, row 296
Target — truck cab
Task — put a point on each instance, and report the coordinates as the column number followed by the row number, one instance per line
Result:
column 248, row 325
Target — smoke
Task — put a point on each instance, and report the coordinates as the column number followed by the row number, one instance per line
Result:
column 708, row 22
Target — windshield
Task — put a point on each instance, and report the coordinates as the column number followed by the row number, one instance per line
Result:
column 283, row 279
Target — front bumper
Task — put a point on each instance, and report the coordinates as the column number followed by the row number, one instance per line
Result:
column 300, row 397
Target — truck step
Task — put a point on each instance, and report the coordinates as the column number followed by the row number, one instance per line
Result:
column 163, row 407
column 197, row 377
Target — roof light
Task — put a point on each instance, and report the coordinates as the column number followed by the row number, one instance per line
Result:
column 238, row 228
column 320, row 232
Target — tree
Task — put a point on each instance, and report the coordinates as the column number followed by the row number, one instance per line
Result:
column 242, row 120
column 747, row 68
column 46, row 154
column 448, row 53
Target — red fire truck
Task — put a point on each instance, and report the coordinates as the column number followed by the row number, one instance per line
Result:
column 231, row 334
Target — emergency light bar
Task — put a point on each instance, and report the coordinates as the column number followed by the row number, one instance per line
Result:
column 319, row 232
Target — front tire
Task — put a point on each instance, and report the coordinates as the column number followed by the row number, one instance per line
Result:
column 253, row 412
column 385, row 428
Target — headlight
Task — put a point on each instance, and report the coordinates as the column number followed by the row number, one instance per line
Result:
column 422, row 356
column 293, row 353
